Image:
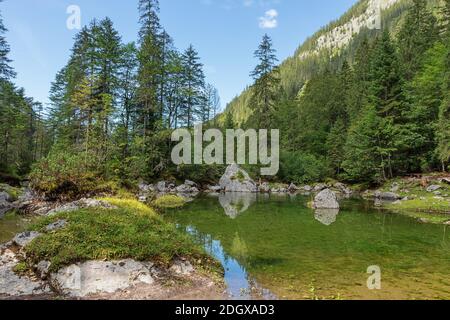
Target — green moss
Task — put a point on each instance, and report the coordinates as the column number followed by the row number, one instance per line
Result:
column 13, row 192
column 131, row 231
column 429, row 208
column 21, row 268
column 169, row 202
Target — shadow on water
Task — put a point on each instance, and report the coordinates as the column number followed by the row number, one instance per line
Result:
column 274, row 245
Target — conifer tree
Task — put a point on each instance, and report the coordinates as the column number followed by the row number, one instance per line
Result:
column 266, row 84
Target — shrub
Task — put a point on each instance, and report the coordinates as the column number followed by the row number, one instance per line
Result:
column 300, row 168
column 169, row 202
column 67, row 176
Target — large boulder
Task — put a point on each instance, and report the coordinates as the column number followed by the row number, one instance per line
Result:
column 237, row 180
column 326, row 199
column 14, row 285
column 99, row 277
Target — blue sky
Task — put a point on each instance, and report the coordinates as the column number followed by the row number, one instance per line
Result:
column 225, row 32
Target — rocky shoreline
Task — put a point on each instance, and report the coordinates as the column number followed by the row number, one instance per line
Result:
column 131, row 279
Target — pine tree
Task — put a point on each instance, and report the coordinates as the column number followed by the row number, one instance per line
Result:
column 265, row 88
column 149, row 57
column 335, row 144
column 193, row 84
column 6, row 71
column 385, row 81
column 417, row 35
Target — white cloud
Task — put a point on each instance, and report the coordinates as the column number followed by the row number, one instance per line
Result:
column 269, row 21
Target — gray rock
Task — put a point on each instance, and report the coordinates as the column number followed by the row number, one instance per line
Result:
column 447, row 223
column 343, row 188
column 100, row 277
column 4, row 196
column 446, row 180
column 320, row 187
column 43, row 268
column 5, row 207
column 237, row 180
column 214, row 189
column 326, row 199
column 56, row 225
column 81, row 204
column 326, row 216
column 182, row 267
column 13, row 285
column 190, row 183
column 307, row 188
column 389, row 196
column 187, row 189
column 293, row 188
column 161, row 186
column 24, row 238
column 145, row 188
column 433, row 188
column 264, row 187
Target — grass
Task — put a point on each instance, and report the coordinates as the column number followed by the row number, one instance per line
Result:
column 169, row 202
column 421, row 204
column 132, row 231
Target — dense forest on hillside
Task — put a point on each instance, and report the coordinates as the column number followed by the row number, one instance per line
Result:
column 376, row 109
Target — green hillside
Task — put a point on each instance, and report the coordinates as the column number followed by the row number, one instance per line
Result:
column 294, row 71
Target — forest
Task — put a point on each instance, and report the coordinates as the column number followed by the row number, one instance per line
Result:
column 376, row 110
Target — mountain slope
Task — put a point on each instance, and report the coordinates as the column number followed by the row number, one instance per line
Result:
column 328, row 48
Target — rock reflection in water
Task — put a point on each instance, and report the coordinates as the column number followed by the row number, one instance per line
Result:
column 326, row 216
column 235, row 203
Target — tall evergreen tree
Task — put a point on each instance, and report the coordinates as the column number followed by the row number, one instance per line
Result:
column 6, row 71
column 417, row 35
column 193, row 83
column 266, row 78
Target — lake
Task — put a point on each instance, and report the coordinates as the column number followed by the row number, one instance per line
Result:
column 276, row 247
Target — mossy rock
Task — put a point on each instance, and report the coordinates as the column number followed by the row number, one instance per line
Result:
column 169, row 202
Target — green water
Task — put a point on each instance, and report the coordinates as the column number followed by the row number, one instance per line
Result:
column 275, row 246
column 10, row 225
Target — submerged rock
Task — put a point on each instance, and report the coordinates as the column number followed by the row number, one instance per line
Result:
column 326, row 216
column 99, row 277
column 237, row 180
column 326, row 199
column 236, row 203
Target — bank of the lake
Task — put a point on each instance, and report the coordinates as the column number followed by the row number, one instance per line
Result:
column 274, row 245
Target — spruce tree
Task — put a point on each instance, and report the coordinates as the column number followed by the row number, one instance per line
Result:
column 6, row 71
column 265, row 88
column 193, row 84
column 417, row 35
